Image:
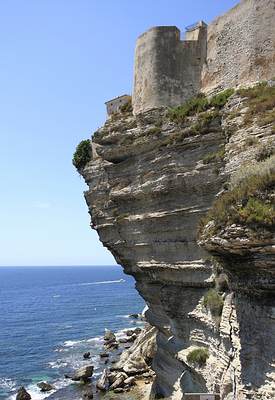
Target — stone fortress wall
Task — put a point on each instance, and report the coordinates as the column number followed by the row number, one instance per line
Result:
column 167, row 69
column 237, row 48
column 241, row 46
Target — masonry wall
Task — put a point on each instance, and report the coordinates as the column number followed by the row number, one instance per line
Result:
column 167, row 70
column 241, row 46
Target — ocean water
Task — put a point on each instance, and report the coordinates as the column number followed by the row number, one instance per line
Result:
column 49, row 316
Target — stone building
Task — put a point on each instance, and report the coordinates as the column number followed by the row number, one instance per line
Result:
column 114, row 106
column 238, row 48
column 168, row 69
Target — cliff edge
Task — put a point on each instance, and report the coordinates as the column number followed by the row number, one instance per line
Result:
column 184, row 200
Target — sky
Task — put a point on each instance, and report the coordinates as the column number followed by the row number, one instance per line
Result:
column 60, row 61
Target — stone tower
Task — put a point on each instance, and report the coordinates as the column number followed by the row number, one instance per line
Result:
column 168, row 69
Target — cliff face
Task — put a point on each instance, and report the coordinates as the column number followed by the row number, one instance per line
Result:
column 150, row 182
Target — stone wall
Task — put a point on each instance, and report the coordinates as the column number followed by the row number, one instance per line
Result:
column 167, row 69
column 241, row 46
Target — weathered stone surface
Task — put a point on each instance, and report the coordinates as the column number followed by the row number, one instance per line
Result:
column 103, row 382
column 83, row 373
column 22, row 394
column 240, row 46
column 45, row 386
column 149, row 187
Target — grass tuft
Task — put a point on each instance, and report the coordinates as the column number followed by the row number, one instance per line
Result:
column 198, row 356
column 199, row 104
column 248, row 200
column 214, row 302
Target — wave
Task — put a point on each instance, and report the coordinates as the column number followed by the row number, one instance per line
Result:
column 36, row 393
column 7, row 384
column 101, row 283
column 71, row 343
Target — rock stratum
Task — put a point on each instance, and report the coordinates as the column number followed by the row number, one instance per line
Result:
column 209, row 285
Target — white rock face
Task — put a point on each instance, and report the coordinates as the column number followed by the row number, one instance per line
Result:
column 149, row 187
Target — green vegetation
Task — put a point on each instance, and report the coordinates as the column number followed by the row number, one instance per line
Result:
column 198, row 104
column 191, row 107
column 198, row 355
column 257, row 211
column 260, row 101
column 265, row 151
column 83, row 154
column 154, row 130
column 214, row 302
column 248, row 200
column 220, row 99
column 251, row 141
column 217, row 156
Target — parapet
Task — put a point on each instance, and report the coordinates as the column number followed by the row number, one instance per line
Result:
column 114, row 106
column 168, row 69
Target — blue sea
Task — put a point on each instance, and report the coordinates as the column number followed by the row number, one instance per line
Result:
column 50, row 316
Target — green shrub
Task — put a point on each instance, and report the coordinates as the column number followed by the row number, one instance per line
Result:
column 217, row 156
column 214, row 302
column 199, row 104
column 220, row 99
column 256, row 211
column 190, row 107
column 260, row 101
column 83, row 154
column 251, row 141
column 265, row 151
column 198, row 355
column 154, row 130
column 247, row 201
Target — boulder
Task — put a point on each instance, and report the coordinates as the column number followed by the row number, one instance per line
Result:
column 45, row 387
column 118, row 390
column 104, row 355
column 111, row 345
column 135, row 316
column 88, row 394
column 22, row 394
column 138, row 359
column 103, row 382
column 83, row 374
column 123, row 340
column 130, row 381
column 119, row 380
column 87, row 355
column 109, row 336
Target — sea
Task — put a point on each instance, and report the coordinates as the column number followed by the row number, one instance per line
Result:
column 50, row 316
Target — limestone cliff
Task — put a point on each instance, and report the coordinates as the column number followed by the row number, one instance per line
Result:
column 152, row 178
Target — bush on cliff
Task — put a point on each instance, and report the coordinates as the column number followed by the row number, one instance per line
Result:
column 260, row 101
column 198, row 356
column 199, row 104
column 249, row 200
column 83, row 154
column 214, row 302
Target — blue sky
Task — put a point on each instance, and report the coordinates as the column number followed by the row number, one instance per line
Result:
column 60, row 61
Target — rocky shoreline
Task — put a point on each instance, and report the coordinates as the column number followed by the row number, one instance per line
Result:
column 125, row 365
